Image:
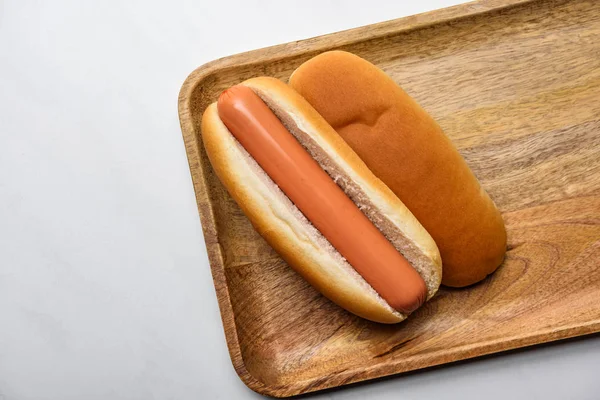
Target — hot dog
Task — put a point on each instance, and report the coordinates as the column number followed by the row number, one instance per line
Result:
column 317, row 204
column 320, row 199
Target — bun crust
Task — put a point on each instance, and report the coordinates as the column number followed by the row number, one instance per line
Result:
column 286, row 229
column 404, row 147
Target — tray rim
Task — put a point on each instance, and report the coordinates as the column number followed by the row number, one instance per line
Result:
column 208, row 223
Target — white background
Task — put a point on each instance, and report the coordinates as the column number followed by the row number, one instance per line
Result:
column 105, row 290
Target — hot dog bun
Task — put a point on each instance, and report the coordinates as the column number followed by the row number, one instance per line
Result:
column 408, row 151
column 286, row 229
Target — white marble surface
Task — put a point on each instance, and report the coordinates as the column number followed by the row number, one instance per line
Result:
column 105, row 291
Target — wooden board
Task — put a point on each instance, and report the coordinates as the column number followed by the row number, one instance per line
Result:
column 516, row 85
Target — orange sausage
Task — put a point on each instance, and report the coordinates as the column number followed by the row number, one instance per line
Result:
column 319, row 198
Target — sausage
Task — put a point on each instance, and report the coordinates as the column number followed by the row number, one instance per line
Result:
column 319, row 198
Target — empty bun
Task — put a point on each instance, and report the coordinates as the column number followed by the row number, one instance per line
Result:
column 405, row 148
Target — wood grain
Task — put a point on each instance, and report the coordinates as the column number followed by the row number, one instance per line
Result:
column 516, row 85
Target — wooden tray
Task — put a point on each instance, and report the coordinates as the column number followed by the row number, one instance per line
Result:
column 516, row 85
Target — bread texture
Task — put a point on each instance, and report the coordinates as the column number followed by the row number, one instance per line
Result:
column 405, row 148
column 288, row 231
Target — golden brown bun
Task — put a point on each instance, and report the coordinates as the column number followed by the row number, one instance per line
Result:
column 408, row 151
column 286, row 229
